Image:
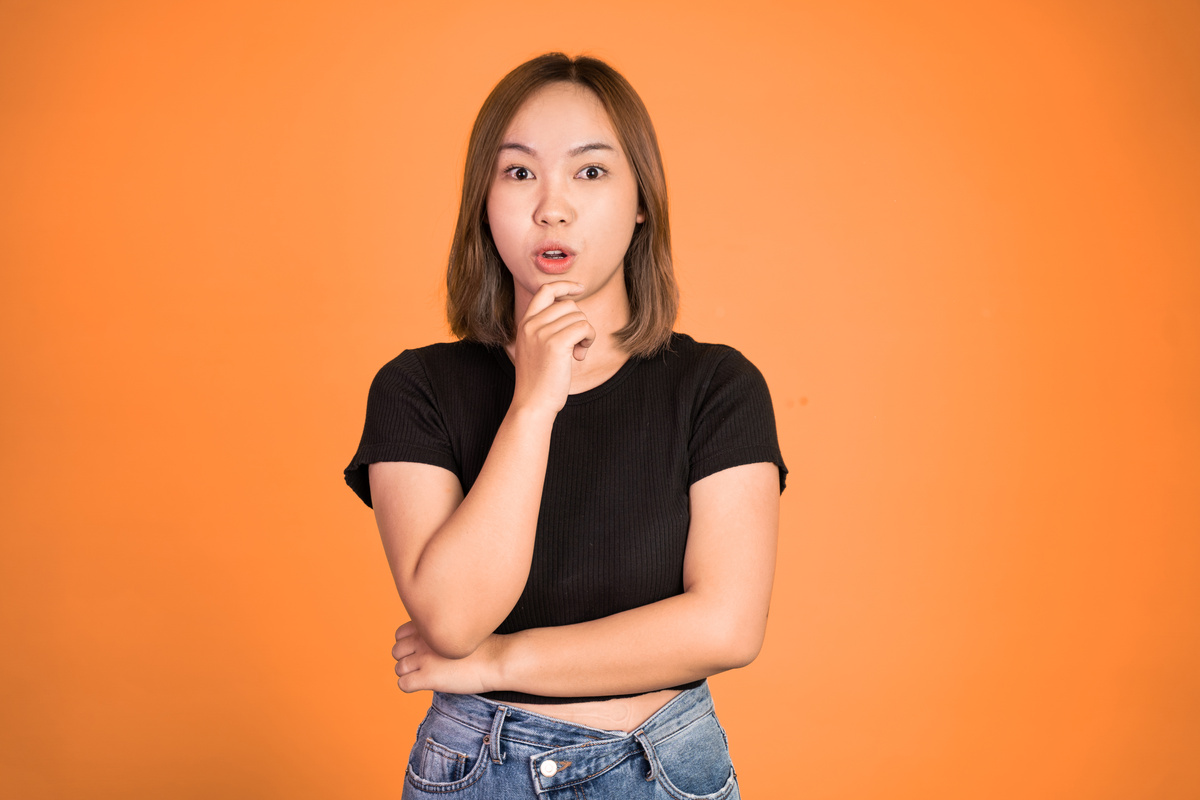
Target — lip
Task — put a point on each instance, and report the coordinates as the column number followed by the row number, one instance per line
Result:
column 553, row 266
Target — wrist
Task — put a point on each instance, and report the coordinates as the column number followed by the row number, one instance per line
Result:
column 495, row 672
column 531, row 414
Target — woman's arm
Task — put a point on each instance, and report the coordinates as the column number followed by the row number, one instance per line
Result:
column 718, row 623
column 460, row 563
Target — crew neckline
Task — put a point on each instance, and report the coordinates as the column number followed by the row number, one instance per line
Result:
column 609, row 384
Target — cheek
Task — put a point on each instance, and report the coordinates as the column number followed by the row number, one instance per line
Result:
column 507, row 233
column 498, row 217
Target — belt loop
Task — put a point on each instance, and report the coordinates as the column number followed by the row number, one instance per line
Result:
column 651, row 756
column 494, row 736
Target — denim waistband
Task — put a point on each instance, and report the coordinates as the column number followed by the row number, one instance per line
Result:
column 578, row 752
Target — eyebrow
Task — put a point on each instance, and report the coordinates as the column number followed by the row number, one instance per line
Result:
column 575, row 151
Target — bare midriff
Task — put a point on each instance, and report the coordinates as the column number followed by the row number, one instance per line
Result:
column 618, row 714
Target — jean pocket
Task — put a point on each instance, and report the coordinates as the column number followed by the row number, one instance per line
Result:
column 694, row 763
column 440, row 764
column 447, row 757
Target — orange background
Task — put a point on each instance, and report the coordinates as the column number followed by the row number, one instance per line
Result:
column 961, row 241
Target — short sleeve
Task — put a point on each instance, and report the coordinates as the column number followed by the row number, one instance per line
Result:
column 734, row 422
column 403, row 423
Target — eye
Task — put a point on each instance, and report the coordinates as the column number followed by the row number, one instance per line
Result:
column 518, row 173
column 592, row 172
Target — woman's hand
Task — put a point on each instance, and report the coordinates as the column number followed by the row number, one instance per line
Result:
column 419, row 668
column 552, row 332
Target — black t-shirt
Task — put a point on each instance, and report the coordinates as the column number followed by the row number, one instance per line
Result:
column 612, row 527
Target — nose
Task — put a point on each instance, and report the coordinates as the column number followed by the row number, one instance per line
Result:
column 554, row 205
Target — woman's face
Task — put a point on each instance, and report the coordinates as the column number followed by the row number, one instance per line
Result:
column 563, row 203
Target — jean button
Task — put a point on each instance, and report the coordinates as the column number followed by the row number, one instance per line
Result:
column 548, row 768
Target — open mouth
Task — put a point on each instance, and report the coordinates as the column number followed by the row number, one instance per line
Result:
column 553, row 260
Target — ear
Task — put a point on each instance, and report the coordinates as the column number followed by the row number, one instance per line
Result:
column 641, row 216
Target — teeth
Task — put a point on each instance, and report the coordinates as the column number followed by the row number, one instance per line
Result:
column 554, row 254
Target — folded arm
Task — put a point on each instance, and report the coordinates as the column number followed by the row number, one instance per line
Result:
column 461, row 563
column 718, row 623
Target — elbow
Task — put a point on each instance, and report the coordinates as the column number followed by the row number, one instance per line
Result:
column 739, row 644
column 743, row 652
column 451, row 647
column 451, row 643
column 447, row 628
column 446, row 638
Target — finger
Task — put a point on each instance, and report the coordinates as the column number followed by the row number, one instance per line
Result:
column 410, row 683
column 581, row 347
column 407, row 629
column 556, row 310
column 409, row 679
column 403, row 648
column 573, row 326
column 574, row 331
column 545, row 296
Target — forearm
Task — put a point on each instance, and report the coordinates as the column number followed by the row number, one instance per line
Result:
column 474, row 567
column 461, row 563
column 718, row 623
column 664, row 644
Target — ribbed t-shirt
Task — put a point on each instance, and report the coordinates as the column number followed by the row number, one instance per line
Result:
column 613, row 523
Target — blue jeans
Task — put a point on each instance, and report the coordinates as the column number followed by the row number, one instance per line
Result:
column 469, row 748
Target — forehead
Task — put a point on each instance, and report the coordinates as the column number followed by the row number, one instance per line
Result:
column 561, row 116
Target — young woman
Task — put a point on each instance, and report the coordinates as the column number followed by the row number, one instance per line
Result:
column 579, row 506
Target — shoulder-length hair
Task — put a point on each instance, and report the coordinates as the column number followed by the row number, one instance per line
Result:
column 479, row 301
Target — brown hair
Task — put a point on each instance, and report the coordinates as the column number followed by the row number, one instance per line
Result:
column 479, row 301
